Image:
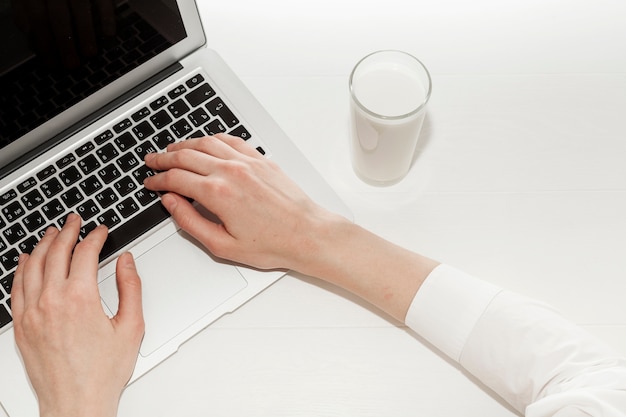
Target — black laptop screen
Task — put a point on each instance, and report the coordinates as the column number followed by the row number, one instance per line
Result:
column 52, row 58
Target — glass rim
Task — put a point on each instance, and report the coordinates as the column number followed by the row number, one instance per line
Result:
column 381, row 116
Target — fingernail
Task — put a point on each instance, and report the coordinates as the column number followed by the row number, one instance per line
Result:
column 169, row 202
column 127, row 260
column 22, row 258
column 51, row 230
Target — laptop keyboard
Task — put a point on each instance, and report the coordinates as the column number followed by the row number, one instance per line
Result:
column 102, row 179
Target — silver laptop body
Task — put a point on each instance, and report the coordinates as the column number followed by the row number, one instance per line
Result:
column 185, row 288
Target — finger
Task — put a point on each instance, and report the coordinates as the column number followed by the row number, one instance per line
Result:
column 187, row 159
column 84, row 265
column 209, row 145
column 222, row 146
column 130, row 310
column 59, row 255
column 17, row 290
column 179, row 181
column 212, row 235
column 84, row 23
column 34, row 269
column 239, row 144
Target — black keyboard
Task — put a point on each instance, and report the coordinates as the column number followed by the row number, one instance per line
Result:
column 102, row 178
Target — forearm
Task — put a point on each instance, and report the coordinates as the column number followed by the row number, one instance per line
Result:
column 355, row 259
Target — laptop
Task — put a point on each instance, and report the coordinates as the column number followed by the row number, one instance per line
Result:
column 73, row 133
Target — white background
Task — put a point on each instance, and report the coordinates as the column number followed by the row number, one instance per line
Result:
column 520, row 178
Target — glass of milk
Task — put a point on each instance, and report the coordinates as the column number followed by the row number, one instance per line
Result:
column 389, row 91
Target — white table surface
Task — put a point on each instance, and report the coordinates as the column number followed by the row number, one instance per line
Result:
column 520, row 179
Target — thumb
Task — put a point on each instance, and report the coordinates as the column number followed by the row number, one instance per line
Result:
column 130, row 310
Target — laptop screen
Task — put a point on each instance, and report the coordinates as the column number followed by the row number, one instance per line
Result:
column 55, row 58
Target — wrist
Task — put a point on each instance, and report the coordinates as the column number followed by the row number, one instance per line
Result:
column 344, row 254
column 322, row 240
column 93, row 406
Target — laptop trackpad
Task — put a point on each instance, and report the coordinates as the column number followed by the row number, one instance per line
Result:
column 181, row 283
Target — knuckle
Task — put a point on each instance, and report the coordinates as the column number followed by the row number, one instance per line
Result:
column 169, row 177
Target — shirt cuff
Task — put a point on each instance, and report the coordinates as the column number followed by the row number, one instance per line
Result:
column 447, row 306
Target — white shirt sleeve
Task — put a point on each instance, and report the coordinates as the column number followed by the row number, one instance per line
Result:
column 539, row 362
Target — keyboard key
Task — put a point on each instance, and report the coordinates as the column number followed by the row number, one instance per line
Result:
column 90, row 185
column 217, row 107
column 87, row 228
column 28, row 245
column 53, row 209
column 241, row 132
column 51, row 188
column 200, row 95
column 178, row 108
column 70, row 176
column 131, row 230
column 181, row 128
column 72, row 197
column 46, row 172
column 194, row 81
column 32, row 199
column 176, row 92
column 159, row 102
column 127, row 208
column 127, row 162
column 9, row 259
column 88, row 164
column 26, row 185
column 87, row 210
column 5, row 317
column 142, row 173
column 143, row 130
column 7, row 283
column 107, row 153
column 162, row 139
column 125, row 141
column 214, row 128
column 85, row 149
column 109, row 218
column 109, row 173
column 14, row 233
column 65, row 161
column 3, row 247
column 34, row 221
column 13, row 211
column 144, row 148
column 122, row 125
column 140, row 114
column 103, row 137
column 106, row 198
column 145, row 196
column 8, row 196
column 124, row 186
column 160, row 119
column 199, row 117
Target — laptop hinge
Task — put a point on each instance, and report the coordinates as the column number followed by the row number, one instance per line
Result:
column 93, row 117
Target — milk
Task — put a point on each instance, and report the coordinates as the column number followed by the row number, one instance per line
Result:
column 387, row 111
